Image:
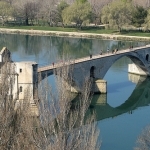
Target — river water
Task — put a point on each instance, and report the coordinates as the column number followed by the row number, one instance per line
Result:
column 123, row 112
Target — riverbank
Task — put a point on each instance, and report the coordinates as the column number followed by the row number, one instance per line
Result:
column 73, row 34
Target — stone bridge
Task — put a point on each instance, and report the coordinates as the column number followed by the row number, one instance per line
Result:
column 97, row 66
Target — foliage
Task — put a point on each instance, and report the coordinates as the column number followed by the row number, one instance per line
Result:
column 61, row 6
column 78, row 13
column 96, row 10
column 60, row 123
column 117, row 14
column 147, row 21
column 5, row 11
column 81, row 1
column 139, row 15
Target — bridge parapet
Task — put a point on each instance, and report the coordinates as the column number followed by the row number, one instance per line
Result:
column 97, row 56
column 96, row 66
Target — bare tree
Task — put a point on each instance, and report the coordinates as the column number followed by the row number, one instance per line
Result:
column 9, row 1
column 48, row 11
column 143, row 3
column 64, row 123
column 26, row 10
column 97, row 5
column 61, row 124
column 143, row 141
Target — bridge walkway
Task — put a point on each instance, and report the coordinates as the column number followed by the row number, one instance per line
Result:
column 80, row 60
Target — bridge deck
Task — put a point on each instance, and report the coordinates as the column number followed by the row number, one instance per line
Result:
column 80, row 60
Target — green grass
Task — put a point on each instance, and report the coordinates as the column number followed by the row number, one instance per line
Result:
column 66, row 29
column 45, row 28
column 98, row 31
column 136, row 33
column 95, row 30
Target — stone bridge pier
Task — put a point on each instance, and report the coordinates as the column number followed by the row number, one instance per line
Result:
column 96, row 67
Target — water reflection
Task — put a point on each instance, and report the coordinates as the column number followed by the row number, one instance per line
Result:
column 53, row 48
column 48, row 49
column 136, row 78
column 140, row 97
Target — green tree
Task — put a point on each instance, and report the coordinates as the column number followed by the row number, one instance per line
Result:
column 79, row 13
column 147, row 21
column 139, row 15
column 61, row 6
column 117, row 14
column 5, row 11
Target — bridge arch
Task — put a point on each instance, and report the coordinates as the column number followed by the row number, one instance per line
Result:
column 140, row 62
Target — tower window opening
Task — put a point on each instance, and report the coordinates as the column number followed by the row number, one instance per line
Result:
column 20, row 88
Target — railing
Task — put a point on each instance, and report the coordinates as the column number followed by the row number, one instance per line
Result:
column 79, row 60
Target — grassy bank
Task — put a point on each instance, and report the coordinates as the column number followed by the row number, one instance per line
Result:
column 86, row 32
column 136, row 33
column 96, row 30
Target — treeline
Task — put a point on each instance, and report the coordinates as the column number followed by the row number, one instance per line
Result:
column 115, row 14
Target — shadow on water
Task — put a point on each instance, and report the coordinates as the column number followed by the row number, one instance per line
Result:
column 140, row 97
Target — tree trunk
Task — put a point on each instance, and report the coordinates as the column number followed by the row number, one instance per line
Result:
column 27, row 21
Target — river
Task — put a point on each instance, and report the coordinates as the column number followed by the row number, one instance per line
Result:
column 122, row 113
